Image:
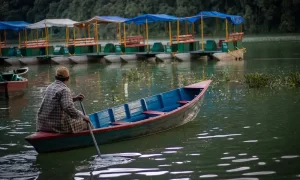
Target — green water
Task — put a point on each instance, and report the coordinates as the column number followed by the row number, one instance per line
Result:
column 239, row 132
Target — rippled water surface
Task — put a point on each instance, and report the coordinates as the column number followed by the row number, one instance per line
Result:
column 240, row 133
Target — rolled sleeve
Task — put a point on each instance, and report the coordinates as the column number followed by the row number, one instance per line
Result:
column 67, row 105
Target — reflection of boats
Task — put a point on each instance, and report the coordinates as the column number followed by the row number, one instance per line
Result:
column 138, row 118
column 11, row 84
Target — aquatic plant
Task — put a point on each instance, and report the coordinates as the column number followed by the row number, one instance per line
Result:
column 293, row 79
column 257, row 80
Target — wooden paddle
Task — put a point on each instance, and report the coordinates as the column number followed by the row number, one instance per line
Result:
column 91, row 132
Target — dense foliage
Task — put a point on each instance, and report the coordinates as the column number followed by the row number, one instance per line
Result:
column 261, row 16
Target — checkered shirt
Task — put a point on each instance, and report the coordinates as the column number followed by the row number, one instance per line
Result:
column 57, row 112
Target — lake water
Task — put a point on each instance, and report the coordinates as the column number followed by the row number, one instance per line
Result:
column 240, row 133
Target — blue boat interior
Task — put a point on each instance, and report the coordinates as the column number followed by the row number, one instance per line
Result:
column 144, row 108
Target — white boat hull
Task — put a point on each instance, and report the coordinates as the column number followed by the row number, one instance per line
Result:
column 228, row 56
column 163, row 57
column 13, row 61
column 79, row 59
column 183, row 57
column 129, row 58
column 112, row 59
column 29, row 60
column 61, row 60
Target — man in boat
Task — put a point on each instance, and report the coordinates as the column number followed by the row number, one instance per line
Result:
column 57, row 112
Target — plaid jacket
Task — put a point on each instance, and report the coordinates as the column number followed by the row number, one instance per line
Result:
column 57, row 112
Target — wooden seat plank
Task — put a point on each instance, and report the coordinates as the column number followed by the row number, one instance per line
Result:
column 183, row 102
column 153, row 112
column 119, row 122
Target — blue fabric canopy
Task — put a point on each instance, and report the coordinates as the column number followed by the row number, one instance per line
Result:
column 13, row 25
column 234, row 19
column 151, row 18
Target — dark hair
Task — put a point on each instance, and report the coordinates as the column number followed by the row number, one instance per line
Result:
column 61, row 78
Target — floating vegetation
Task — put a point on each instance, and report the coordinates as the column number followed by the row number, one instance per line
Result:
column 136, row 74
column 258, row 80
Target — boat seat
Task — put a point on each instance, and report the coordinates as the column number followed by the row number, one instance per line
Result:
column 183, row 102
column 153, row 112
column 119, row 122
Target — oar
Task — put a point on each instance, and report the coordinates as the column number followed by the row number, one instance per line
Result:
column 91, row 132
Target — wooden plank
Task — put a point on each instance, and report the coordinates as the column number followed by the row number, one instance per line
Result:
column 183, row 102
column 153, row 112
column 120, row 122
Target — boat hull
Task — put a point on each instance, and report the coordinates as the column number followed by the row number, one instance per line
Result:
column 112, row 59
column 233, row 55
column 29, row 60
column 103, row 137
column 163, row 57
column 12, row 88
column 129, row 58
column 12, row 61
column 61, row 60
column 183, row 57
column 79, row 59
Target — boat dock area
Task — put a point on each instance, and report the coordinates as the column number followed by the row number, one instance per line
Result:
column 131, row 46
column 151, row 57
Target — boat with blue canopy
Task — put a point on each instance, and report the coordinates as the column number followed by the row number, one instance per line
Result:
column 5, row 49
column 139, row 45
column 229, row 48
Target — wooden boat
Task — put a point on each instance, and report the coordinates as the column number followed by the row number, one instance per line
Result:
column 29, row 60
column 129, row 58
column 83, row 59
column 135, row 119
column 112, row 59
column 11, row 84
column 21, row 71
column 61, row 60
column 12, row 61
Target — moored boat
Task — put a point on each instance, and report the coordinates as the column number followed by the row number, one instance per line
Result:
column 164, row 57
column 112, row 59
column 129, row 58
column 21, row 71
column 12, row 84
column 138, row 118
column 12, row 61
column 79, row 59
column 29, row 60
column 61, row 60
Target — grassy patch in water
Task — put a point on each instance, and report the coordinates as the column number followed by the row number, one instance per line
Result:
column 258, row 80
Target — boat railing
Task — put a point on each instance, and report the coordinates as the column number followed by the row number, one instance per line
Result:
column 235, row 36
column 183, row 38
column 133, row 41
column 34, row 44
column 82, row 42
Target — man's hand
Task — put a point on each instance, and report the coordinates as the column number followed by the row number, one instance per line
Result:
column 79, row 97
column 86, row 119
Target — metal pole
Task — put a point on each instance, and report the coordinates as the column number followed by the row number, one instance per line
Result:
column 202, row 35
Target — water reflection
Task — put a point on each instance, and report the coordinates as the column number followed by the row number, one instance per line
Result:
column 239, row 133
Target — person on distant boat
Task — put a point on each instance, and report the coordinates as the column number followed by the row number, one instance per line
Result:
column 57, row 112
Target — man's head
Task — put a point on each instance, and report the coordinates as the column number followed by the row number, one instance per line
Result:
column 62, row 74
